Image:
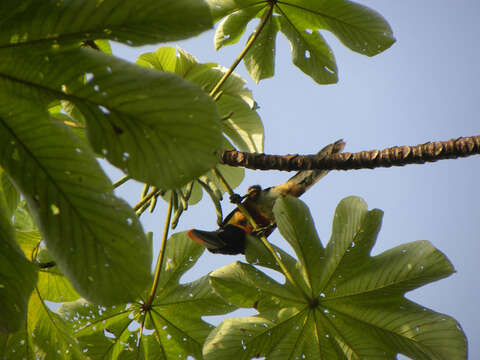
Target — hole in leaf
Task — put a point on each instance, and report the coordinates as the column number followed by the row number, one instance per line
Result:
column 54, row 209
column 327, row 69
column 103, row 109
column 148, row 331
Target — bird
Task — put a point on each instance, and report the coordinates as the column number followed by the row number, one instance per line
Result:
column 230, row 237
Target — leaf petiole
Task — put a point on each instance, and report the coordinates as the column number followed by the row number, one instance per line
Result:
column 161, row 255
column 121, row 181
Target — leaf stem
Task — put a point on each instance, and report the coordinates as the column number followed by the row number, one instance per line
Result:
column 121, row 181
column 161, row 255
column 263, row 237
column 146, row 198
column 249, row 43
column 146, row 187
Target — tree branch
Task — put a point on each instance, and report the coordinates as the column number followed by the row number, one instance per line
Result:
column 394, row 156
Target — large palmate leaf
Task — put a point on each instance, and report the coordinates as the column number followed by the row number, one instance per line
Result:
column 133, row 22
column 153, row 125
column 240, row 120
column 348, row 304
column 45, row 335
column 173, row 328
column 359, row 28
column 94, row 237
column 17, row 278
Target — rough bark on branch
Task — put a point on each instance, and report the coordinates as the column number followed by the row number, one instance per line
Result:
column 394, row 156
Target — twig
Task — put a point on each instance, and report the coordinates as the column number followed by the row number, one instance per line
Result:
column 394, row 156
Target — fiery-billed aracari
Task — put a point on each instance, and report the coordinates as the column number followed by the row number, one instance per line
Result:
column 230, row 237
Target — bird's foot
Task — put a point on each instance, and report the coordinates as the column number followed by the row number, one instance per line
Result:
column 236, row 199
column 253, row 191
column 263, row 231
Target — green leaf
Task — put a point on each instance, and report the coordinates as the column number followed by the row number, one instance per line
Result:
column 295, row 223
column 132, row 22
column 173, row 327
column 246, row 286
column 94, row 237
column 240, row 121
column 355, row 306
column 51, row 333
column 45, row 336
column 52, row 285
column 22, row 220
column 29, row 242
column 359, row 28
column 101, row 331
column 17, row 279
column 71, row 122
column 257, row 254
column 177, row 308
column 233, row 175
column 9, row 196
column 257, row 335
column 104, row 46
column 311, row 53
column 176, row 318
column 163, row 59
column 222, row 8
column 232, row 27
column 147, row 123
column 260, row 58
column 17, row 346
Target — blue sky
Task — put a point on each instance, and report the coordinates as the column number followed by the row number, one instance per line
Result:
column 426, row 87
